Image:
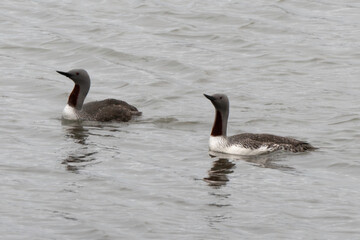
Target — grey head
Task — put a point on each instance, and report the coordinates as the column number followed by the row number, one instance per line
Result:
column 82, row 85
column 221, row 104
column 220, row 101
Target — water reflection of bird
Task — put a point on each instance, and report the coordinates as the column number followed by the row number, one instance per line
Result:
column 77, row 132
column 81, row 156
column 225, row 163
column 219, row 171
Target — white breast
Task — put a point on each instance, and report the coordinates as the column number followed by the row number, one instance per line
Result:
column 217, row 144
column 70, row 113
column 221, row 144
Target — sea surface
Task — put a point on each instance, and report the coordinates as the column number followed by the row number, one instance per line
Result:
column 290, row 68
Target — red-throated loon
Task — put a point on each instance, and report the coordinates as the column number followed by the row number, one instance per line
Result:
column 246, row 143
column 104, row 111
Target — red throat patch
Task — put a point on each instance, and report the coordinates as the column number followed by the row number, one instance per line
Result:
column 74, row 96
column 217, row 128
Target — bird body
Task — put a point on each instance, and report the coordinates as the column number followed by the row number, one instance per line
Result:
column 246, row 143
column 104, row 111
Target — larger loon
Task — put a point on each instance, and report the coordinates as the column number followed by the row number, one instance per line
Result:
column 104, row 111
column 246, row 143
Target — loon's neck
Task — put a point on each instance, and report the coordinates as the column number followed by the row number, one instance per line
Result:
column 77, row 97
column 220, row 124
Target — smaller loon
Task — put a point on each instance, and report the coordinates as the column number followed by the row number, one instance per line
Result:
column 103, row 111
column 246, row 143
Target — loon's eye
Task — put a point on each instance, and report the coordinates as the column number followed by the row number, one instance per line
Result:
column 77, row 73
column 220, row 98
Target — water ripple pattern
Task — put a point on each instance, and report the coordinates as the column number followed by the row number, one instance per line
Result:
column 290, row 68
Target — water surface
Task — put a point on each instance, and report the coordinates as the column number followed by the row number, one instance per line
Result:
column 289, row 68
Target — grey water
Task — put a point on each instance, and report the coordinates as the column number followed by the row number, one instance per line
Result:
column 289, row 68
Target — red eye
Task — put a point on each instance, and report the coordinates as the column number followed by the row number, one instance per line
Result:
column 77, row 73
column 220, row 98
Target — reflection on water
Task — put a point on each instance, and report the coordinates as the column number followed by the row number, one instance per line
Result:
column 267, row 161
column 77, row 132
column 81, row 156
column 218, row 173
column 218, row 177
column 77, row 161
